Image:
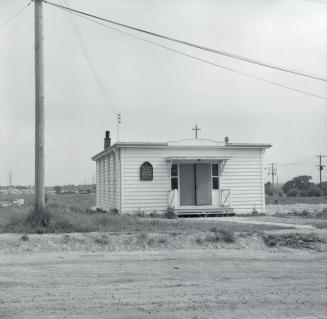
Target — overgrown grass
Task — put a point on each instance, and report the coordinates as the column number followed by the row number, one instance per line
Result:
column 217, row 235
column 305, row 214
column 297, row 200
column 65, row 219
column 293, row 240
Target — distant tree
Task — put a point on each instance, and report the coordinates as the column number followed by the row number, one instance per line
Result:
column 57, row 189
column 299, row 183
column 21, row 187
column 268, row 189
column 293, row 192
column 314, row 191
column 324, row 188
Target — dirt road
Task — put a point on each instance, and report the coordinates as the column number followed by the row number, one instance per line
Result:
column 164, row 284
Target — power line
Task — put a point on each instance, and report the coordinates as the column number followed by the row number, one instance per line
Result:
column 316, row 1
column 77, row 33
column 297, row 162
column 15, row 15
column 200, row 59
column 197, row 46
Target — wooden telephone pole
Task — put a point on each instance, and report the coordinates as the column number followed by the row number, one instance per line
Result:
column 320, row 168
column 39, row 109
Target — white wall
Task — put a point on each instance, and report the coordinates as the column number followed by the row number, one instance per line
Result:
column 242, row 174
column 108, row 182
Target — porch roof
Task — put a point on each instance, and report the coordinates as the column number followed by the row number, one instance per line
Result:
column 197, row 159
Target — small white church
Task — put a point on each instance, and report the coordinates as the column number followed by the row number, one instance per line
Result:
column 196, row 176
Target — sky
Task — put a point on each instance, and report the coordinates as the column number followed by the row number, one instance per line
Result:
column 160, row 94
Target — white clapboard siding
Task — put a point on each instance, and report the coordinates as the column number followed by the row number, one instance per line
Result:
column 108, row 182
column 242, row 174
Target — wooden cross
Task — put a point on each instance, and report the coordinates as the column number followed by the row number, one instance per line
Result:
column 196, row 129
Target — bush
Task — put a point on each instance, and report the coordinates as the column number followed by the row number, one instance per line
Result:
column 151, row 241
column 199, row 240
column 226, row 236
column 24, row 237
column 254, row 212
column 142, row 237
column 213, row 238
column 162, row 241
column 170, row 215
column 322, row 214
column 113, row 211
column 102, row 240
column 154, row 214
column 293, row 193
column 293, row 240
column 140, row 213
column 314, row 191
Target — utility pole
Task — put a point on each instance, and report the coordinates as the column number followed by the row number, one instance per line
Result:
column 39, row 109
column 320, row 168
column 272, row 170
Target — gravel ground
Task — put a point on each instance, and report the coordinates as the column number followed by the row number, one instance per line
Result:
column 256, row 221
column 164, row 284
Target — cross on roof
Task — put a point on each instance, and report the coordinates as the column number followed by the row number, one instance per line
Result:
column 196, row 129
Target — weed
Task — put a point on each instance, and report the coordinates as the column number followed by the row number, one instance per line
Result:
column 151, row 241
column 214, row 229
column 293, row 240
column 155, row 214
column 254, row 212
column 217, row 235
column 142, row 236
column 174, row 234
column 227, row 236
column 24, row 237
column 162, row 241
column 140, row 213
column 103, row 240
column 213, row 238
column 113, row 211
column 199, row 240
column 170, row 215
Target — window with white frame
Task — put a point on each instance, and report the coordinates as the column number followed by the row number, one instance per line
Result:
column 174, row 176
column 215, row 176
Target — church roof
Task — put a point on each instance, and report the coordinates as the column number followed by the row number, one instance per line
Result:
column 196, row 143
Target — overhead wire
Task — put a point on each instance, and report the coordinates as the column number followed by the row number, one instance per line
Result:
column 317, row 1
column 296, row 163
column 197, row 46
column 77, row 33
column 15, row 15
column 202, row 60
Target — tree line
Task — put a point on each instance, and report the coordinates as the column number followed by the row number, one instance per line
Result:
column 300, row 186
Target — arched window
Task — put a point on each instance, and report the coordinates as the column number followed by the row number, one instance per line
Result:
column 146, row 172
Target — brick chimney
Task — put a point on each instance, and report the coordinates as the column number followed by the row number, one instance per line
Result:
column 107, row 140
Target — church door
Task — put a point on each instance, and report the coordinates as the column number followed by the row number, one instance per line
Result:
column 195, row 184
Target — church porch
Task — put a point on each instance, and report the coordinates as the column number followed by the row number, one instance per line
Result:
column 195, row 187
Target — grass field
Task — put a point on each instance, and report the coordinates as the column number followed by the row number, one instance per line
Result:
column 297, row 200
column 82, row 201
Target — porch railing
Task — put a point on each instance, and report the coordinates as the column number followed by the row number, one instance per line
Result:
column 225, row 198
column 172, row 199
column 222, row 199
